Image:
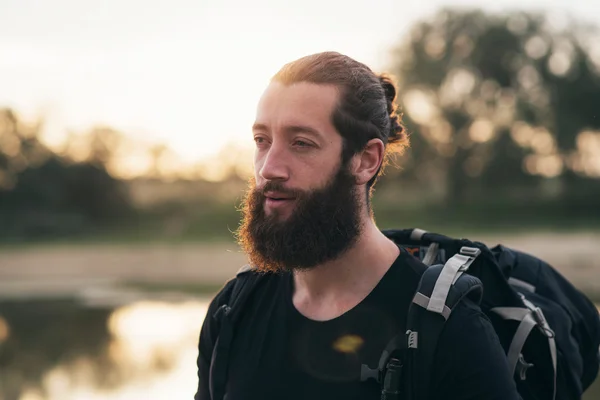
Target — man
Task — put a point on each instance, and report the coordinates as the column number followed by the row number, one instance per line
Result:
column 334, row 290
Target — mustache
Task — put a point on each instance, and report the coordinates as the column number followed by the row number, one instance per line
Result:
column 274, row 186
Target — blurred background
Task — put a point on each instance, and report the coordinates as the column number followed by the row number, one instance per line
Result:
column 125, row 148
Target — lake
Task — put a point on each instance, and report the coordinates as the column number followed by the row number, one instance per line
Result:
column 100, row 322
column 65, row 350
column 89, row 350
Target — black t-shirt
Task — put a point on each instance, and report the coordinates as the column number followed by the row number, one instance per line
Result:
column 278, row 353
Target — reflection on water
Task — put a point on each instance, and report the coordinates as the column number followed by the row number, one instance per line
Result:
column 59, row 350
column 62, row 350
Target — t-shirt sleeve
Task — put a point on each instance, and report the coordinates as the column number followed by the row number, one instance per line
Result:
column 472, row 364
column 206, row 342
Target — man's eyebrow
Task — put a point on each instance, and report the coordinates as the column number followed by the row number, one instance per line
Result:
column 259, row 127
column 302, row 129
column 289, row 129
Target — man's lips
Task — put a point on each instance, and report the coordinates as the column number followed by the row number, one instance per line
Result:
column 270, row 201
column 276, row 200
column 278, row 196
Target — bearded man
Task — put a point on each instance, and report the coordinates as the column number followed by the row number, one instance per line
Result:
column 334, row 290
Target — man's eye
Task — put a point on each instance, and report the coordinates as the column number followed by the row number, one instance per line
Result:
column 301, row 143
column 259, row 140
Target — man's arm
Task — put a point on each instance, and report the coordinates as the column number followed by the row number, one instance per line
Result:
column 208, row 336
column 471, row 363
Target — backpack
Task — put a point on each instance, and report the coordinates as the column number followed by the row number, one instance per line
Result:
column 549, row 330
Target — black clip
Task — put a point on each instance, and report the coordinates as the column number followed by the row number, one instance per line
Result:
column 367, row 372
column 392, row 381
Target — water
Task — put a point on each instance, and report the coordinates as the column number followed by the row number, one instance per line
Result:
column 63, row 350
column 69, row 349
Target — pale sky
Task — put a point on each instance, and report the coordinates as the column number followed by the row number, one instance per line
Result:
column 185, row 72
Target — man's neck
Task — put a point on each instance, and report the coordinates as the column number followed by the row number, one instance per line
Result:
column 329, row 290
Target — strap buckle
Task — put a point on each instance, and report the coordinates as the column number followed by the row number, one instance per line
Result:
column 413, row 339
column 539, row 318
column 470, row 251
column 538, row 315
column 522, row 367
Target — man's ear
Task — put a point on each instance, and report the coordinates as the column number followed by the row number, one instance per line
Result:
column 367, row 162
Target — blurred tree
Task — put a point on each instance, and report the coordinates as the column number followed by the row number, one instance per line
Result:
column 500, row 102
column 44, row 193
column 158, row 153
column 20, row 147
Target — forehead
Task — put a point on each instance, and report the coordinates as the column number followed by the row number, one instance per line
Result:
column 299, row 103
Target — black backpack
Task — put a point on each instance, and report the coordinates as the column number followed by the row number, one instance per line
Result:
column 549, row 330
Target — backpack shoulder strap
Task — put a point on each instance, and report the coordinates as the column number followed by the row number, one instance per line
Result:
column 441, row 288
column 242, row 278
column 246, row 280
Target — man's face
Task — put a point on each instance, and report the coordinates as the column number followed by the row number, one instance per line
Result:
column 297, row 145
column 302, row 208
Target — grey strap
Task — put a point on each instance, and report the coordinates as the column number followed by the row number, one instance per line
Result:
column 522, row 284
column 552, row 344
column 522, row 333
column 449, row 274
column 423, row 301
column 538, row 315
column 417, row 234
column 431, row 254
column 518, row 341
column 514, row 313
column 244, row 268
column 529, row 317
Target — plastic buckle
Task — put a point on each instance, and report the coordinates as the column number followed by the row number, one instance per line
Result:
column 413, row 339
column 370, row 373
column 522, row 367
column 470, row 251
column 392, row 380
column 538, row 316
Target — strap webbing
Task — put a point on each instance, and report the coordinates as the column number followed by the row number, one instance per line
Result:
column 228, row 316
column 449, row 274
column 529, row 317
column 423, row 301
column 541, row 319
column 521, row 334
column 432, row 252
column 417, row 234
column 521, row 284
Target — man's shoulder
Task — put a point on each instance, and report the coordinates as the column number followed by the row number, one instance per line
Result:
column 408, row 261
column 246, row 278
column 405, row 273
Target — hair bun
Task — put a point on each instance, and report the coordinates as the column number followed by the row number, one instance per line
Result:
column 397, row 134
column 389, row 88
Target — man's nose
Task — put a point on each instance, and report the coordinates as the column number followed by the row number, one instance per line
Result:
column 275, row 164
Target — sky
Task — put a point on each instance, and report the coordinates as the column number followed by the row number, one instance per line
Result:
column 189, row 73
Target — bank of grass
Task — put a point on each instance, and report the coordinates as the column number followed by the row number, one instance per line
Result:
column 210, row 289
column 214, row 223
column 465, row 221
column 195, row 289
column 217, row 223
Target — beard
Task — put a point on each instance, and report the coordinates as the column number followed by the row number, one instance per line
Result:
column 323, row 224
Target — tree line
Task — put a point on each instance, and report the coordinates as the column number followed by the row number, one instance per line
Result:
column 502, row 111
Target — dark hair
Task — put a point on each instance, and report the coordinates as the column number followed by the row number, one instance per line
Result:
column 367, row 104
